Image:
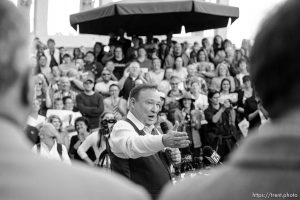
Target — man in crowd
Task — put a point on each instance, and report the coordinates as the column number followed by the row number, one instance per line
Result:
column 91, row 65
column 170, row 59
column 128, row 80
column 267, row 164
column 137, row 147
column 52, row 54
column 90, row 103
column 64, row 90
column 23, row 174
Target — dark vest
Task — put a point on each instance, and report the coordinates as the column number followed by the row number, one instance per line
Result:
column 151, row 172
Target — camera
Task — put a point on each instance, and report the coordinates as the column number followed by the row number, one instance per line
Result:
column 104, row 129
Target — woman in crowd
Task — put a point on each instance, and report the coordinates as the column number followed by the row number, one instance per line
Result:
column 221, row 134
column 42, row 94
column 222, row 72
column 190, row 122
column 217, row 43
column 156, row 74
column 225, row 92
column 243, row 94
column 62, row 136
column 115, row 104
column 83, row 131
column 77, row 54
column 179, row 69
column 205, row 69
column 142, row 58
column 255, row 113
column 97, row 140
column 98, row 51
column 49, row 147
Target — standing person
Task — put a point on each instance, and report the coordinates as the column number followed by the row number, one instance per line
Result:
column 221, row 129
column 136, row 146
column 90, row 103
column 24, row 175
column 52, row 54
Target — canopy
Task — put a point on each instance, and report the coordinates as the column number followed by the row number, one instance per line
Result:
column 154, row 17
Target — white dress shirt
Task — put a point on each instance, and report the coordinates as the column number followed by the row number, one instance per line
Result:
column 126, row 143
column 53, row 153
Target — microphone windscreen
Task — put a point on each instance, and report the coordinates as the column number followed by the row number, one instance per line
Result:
column 207, row 151
column 164, row 127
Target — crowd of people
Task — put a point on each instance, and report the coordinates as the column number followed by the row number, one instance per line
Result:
column 205, row 87
column 196, row 104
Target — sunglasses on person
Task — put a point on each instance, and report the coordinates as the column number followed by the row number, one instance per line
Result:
column 105, row 74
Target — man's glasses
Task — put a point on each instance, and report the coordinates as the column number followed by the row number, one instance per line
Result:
column 105, row 74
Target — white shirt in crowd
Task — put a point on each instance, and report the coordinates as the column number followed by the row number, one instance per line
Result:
column 126, row 143
column 103, row 87
column 53, row 153
column 201, row 103
column 35, row 122
column 91, row 141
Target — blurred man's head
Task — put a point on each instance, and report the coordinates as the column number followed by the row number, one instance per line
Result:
column 15, row 87
column 274, row 64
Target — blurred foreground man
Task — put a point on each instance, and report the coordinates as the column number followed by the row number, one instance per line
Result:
column 267, row 165
column 24, row 175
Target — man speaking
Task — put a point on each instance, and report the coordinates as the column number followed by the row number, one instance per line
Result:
column 137, row 147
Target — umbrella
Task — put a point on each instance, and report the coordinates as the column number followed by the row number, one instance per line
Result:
column 154, row 17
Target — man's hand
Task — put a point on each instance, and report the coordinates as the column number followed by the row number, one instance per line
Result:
column 175, row 139
column 174, row 154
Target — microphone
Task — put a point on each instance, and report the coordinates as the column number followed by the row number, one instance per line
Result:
column 211, row 155
column 164, row 127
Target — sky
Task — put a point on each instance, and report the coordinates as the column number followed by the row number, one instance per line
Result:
column 252, row 12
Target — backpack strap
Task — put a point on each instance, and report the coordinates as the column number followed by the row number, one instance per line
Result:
column 38, row 148
column 59, row 150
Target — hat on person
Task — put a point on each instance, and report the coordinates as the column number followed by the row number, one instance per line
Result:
column 89, row 77
column 186, row 95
